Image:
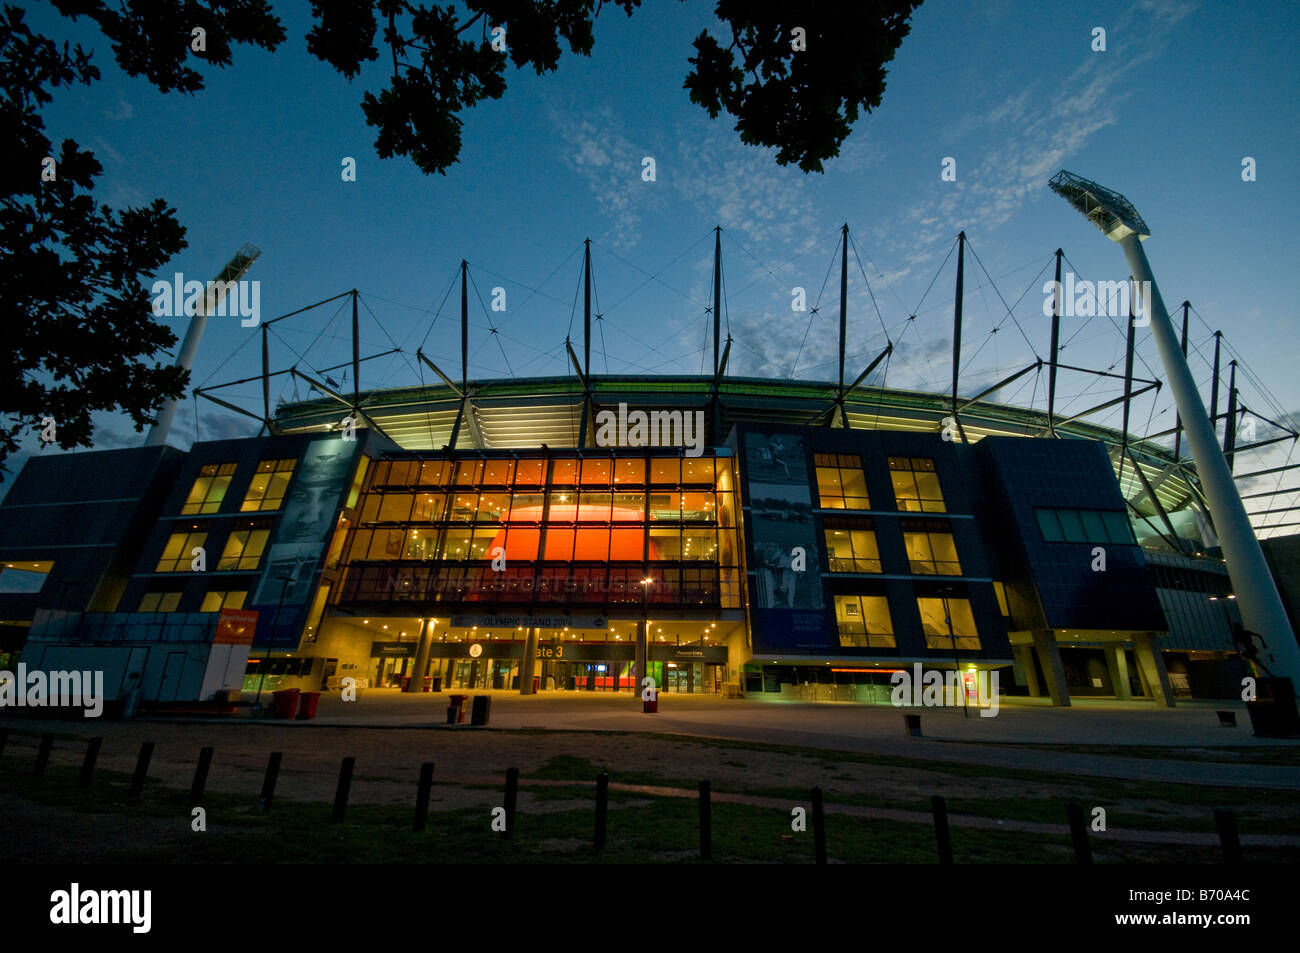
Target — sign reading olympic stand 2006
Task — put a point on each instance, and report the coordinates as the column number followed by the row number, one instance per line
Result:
column 504, row 622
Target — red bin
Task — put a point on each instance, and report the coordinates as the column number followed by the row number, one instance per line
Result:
column 307, row 705
column 457, row 703
column 284, row 702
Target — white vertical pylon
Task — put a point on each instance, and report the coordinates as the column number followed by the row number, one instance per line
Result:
column 1252, row 581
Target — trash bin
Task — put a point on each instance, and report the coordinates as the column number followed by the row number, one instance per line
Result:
column 651, row 705
column 406, row 682
column 912, row 725
column 437, row 682
column 537, row 684
column 307, row 705
column 428, row 684
column 482, row 707
column 456, row 703
column 284, row 702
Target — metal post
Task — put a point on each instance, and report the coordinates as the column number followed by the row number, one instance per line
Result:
column 1178, row 417
column 941, row 832
column 1230, row 423
column 1056, row 341
column 1079, row 834
column 141, row 770
column 586, row 311
column 1226, row 822
column 844, row 304
column 717, row 293
column 706, row 822
column 341, row 791
column 422, row 797
column 819, row 827
column 512, row 797
column 200, row 775
column 602, row 809
column 268, row 782
column 1214, row 383
column 42, row 756
column 956, row 327
column 88, row 763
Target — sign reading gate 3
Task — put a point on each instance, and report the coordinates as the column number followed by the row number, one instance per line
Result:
column 524, row 621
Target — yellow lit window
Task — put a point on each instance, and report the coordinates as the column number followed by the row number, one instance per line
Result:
column 916, row 485
column 931, row 550
column 851, row 548
column 270, row 482
column 864, row 622
column 244, row 548
column 841, row 484
column 948, row 624
column 215, row 601
column 209, row 489
column 159, row 602
column 178, row 553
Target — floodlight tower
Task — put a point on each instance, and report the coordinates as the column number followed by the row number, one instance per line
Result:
column 1257, row 596
column 216, row 290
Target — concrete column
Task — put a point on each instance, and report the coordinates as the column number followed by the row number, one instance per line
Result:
column 528, row 664
column 642, row 654
column 1026, row 671
column 1152, row 664
column 1053, row 670
column 1117, row 665
column 416, row 682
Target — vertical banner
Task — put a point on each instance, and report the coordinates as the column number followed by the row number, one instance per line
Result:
column 788, row 607
column 301, row 537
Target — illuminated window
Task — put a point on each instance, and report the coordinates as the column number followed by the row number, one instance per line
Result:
column 25, row 577
column 209, row 489
column 244, row 548
column 215, row 601
column 270, row 482
column 916, row 485
column 851, row 547
column 948, row 624
column 178, row 554
column 864, row 622
column 841, row 484
column 159, row 602
column 931, row 550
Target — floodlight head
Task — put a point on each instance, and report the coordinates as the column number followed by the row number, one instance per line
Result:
column 1109, row 211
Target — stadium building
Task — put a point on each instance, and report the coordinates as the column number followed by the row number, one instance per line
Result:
column 719, row 534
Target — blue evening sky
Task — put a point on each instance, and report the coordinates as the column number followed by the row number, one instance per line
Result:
column 1011, row 91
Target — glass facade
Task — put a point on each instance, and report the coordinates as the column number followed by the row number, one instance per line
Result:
column 559, row 530
column 916, row 485
column 209, row 489
column 270, row 482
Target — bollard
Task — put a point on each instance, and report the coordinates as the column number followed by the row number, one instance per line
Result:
column 88, row 763
column 706, row 822
column 941, row 832
column 341, row 792
column 200, row 775
column 819, row 826
column 602, row 808
column 1226, row 822
column 512, row 795
column 268, row 782
column 912, row 725
column 422, row 797
column 1079, row 834
column 42, row 756
column 4, row 738
column 141, row 770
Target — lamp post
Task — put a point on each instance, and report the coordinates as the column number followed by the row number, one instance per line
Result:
column 643, row 637
column 266, row 663
column 1259, row 603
